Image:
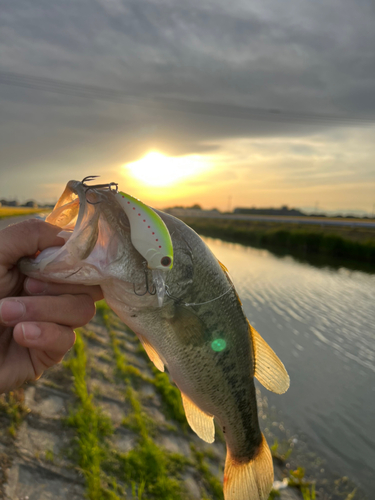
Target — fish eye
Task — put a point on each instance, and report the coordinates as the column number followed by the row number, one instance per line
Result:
column 165, row 261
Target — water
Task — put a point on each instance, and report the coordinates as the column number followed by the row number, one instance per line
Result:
column 321, row 323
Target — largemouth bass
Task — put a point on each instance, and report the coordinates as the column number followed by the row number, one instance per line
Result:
column 194, row 326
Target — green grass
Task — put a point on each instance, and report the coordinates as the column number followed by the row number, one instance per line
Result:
column 277, row 454
column 298, row 480
column 15, row 211
column 348, row 243
column 49, row 456
column 214, row 485
column 171, row 398
column 13, row 408
column 151, row 471
column 91, row 425
column 149, row 468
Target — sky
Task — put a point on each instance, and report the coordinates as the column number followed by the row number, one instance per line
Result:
column 226, row 104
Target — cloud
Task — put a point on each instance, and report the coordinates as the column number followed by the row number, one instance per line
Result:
column 195, row 74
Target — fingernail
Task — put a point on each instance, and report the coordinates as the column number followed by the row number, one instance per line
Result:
column 31, row 331
column 11, row 310
column 35, row 287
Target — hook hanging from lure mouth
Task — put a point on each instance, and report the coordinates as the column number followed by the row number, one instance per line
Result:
column 98, row 186
column 148, row 289
column 149, row 235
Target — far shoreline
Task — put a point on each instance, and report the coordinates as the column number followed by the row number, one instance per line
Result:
column 332, row 245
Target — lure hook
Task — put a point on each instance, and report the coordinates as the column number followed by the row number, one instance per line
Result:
column 151, row 291
column 109, row 186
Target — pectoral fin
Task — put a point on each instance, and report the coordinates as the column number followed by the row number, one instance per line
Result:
column 269, row 370
column 152, row 354
column 201, row 423
column 189, row 328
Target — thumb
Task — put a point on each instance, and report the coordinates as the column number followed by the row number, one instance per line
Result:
column 26, row 239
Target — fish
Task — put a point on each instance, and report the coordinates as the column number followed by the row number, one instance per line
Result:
column 163, row 281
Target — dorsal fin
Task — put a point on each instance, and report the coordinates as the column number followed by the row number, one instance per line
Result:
column 152, row 354
column 201, row 423
column 226, row 272
column 223, row 267
column 269, row 370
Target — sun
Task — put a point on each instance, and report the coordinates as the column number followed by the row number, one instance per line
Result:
column 156, row 169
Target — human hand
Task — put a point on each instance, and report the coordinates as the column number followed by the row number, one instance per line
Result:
column 36, row 330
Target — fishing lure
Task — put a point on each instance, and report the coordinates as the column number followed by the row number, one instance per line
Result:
column 151, row 238
column 149, row 235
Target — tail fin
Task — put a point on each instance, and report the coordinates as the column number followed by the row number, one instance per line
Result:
column 252, row 480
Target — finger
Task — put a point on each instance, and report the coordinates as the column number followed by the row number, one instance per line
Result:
column 69, row 310
column 47, row 342
column 26, row 239
column 37, row 287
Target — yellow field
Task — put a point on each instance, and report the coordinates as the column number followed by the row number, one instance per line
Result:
column 14, row 211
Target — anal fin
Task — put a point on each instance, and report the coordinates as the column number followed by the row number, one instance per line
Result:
column 201, row 423
column 269, row 370
column 152, row 354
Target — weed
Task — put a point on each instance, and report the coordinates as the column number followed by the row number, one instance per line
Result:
column 148, row 466
column 49, row 456
column 298, row 480
column 12, row 430
column 351, row 495
column 138, row 492
column 102, row 306
column 171, row 398
column 281, row 457
column 274, row 494
column 13, row 407
column 214, row 484
column 92, row 427
column 150, row 470
column 308, row 492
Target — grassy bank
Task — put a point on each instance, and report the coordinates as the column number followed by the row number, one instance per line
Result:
column 16, row 211
column 357, row 244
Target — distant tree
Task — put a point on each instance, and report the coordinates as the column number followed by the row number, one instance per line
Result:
column 31, row 204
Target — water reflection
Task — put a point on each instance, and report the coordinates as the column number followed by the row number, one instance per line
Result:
column 321, row 323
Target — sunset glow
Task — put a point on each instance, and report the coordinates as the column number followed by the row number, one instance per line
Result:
column 156, row 169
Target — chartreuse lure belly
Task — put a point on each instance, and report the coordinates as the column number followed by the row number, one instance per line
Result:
column 150, row 237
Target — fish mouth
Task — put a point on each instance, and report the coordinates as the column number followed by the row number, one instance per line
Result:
column 96, row 232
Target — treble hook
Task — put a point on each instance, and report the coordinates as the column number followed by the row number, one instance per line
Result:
column 98, row 186
column 148, row 289
column 89, row 178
